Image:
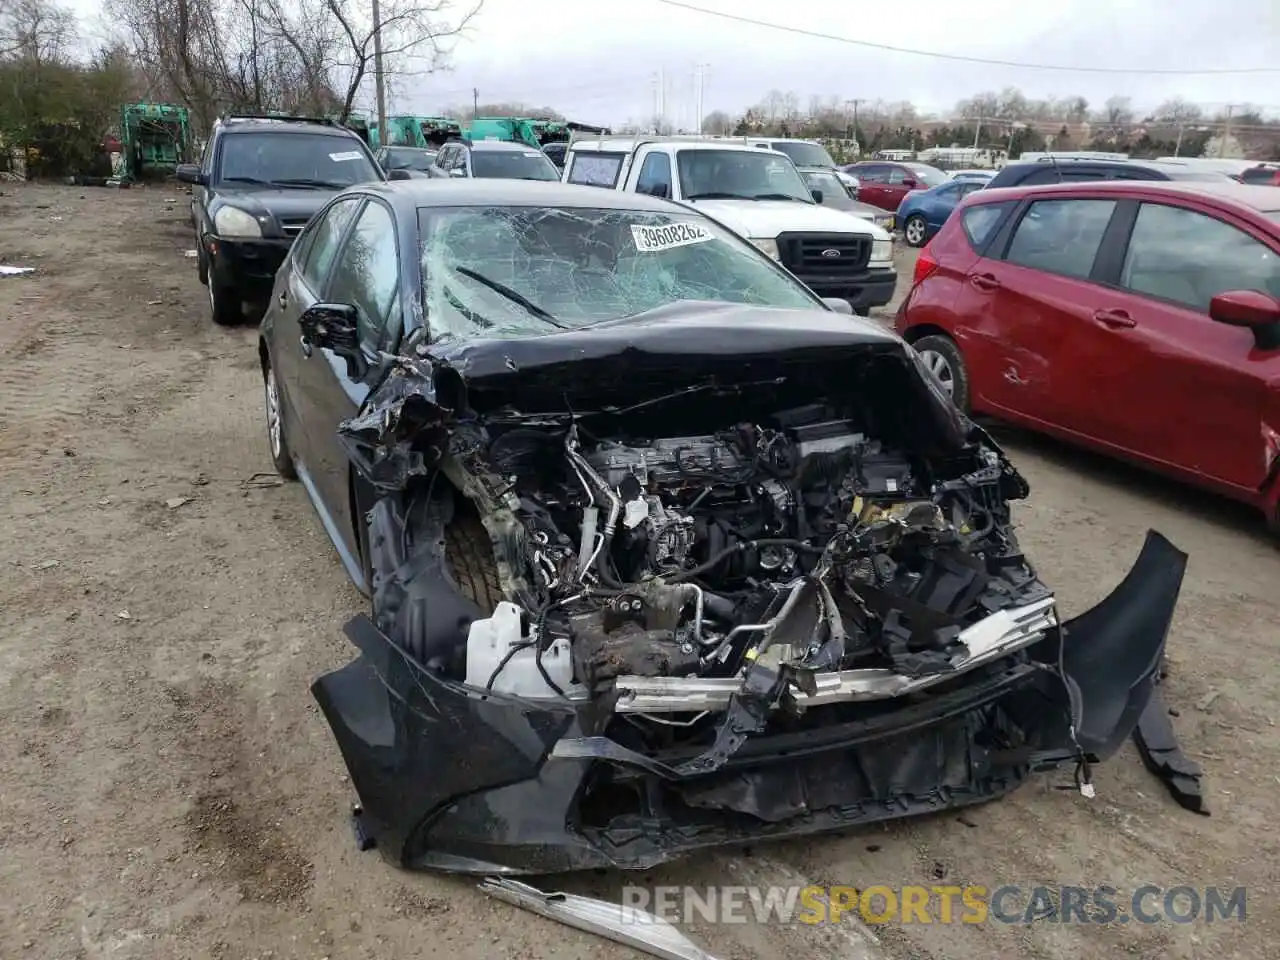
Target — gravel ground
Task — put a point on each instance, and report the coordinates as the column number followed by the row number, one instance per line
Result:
column 171, row 791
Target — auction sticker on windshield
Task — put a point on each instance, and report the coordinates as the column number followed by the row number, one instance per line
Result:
column 349, row 155
column 669, row 236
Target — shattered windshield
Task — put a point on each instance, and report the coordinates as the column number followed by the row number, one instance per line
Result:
column 738, row 175
column 513, row 271
column 804, row 154
column 513, row 165
column 299, row 160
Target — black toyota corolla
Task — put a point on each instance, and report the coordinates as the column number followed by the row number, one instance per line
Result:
column 662, row 551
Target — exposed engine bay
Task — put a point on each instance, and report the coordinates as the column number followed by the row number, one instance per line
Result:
column 799, row 546
column 647, row 588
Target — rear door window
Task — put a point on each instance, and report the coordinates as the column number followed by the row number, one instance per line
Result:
column 980, row 223
column 872, row 172
column 1061, row 236
column 594, row 169
column 1188, row 257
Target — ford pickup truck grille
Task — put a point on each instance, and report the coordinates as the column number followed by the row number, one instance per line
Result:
column 829, row 254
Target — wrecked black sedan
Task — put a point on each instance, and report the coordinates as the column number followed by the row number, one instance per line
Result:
column 663, row 552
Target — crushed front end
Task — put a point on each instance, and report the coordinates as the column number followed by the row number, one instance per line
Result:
column 803, row 610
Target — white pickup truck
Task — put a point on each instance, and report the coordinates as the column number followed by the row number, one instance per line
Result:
column 757, row 193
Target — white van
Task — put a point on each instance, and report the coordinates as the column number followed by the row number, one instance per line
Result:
column 757, row 193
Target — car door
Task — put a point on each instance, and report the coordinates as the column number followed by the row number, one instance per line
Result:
column 873, row 187
column 299, row 285
column 1169, row 384
column 365, row 274
column 1025, row 309
column 895, row 186
column 936, row 205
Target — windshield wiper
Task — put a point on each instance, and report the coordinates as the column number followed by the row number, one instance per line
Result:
column 717, row 195
column 778, row 196
column 512, row 295
column 306, row 182
column 261, row 183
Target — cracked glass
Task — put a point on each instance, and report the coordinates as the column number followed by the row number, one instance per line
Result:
column 519, row 271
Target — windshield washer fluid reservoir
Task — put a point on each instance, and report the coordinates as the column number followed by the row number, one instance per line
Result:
column 490, row 641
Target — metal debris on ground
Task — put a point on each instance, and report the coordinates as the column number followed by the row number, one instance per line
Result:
column 173, row 503
column 190, row 254
column 630, row 926
column 262, row 480
column 9, row 271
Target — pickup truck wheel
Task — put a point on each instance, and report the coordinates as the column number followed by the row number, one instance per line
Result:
column 941, row 355
column 914, row 230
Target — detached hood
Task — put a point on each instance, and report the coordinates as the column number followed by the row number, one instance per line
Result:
column 765, row 219
column 278, row 203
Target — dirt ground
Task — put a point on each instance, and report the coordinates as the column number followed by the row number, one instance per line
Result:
column 171, row 791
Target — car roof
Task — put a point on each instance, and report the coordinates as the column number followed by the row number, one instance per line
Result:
column 1258, row 198
column 263, row 125
column 481, row 191
column 508, row 145
column 626, row 144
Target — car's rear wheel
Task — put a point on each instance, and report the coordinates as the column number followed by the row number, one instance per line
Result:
column 223, row 305
column 914, row 230
column 278, row 443
column 942, row 358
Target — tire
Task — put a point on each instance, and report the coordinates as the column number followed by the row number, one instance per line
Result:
column 277, row 441
column 202, row 261
column 915, row 231
column 942, row 357
column 224, row 308
column 469, row 554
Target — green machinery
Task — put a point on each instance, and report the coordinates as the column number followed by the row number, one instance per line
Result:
column 154, row 139
column 357, row 123
column 528, row 130
column 411, row 131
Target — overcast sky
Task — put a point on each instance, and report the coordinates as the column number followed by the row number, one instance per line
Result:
column 597, row 60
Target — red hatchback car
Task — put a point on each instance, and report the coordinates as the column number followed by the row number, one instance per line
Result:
column 1141, row 319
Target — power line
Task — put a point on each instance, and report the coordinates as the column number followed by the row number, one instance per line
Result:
column 956, row 56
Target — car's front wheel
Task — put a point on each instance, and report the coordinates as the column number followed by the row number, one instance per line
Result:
column 942, row 358
column 224, row 307
column 279, row 444
column 914, row 230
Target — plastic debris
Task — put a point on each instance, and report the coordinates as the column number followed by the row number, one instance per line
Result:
column 8, row 271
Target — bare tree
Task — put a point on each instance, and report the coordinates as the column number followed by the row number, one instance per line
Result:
column 717, row 121
column 412, row 31
column 36, row 31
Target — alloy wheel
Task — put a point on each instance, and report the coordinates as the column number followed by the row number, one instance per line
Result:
column 275, row 429
column 940, row 367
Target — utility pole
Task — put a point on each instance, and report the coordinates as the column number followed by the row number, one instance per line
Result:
column 977, row 132
column 379, row 80
column 475, row 102
column 700, row 76
column 1177, row 147
column 853, row 134
column 1226, row 131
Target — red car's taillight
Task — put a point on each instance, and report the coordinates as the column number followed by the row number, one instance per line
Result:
column 925, row 265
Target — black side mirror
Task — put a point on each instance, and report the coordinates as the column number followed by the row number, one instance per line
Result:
column 335, row 327
column 817, row 195
column 399, row 174
column 189, row 173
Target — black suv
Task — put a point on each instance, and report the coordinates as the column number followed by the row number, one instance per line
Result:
column 494, row 159
column 257, row 184
column 1042, row 170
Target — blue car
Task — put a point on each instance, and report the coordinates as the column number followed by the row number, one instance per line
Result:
column 923, row 212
